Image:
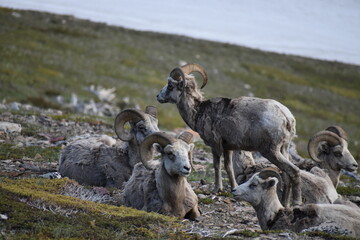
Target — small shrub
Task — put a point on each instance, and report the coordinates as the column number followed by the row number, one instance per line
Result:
column 206, row 200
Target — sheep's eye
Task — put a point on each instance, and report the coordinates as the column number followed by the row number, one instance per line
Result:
column 338, row 154
column 171, row 156
column 170, row 87
column 142, row 129
column 253, row 185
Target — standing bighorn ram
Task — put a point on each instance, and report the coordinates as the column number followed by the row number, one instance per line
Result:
column 161, row 186
column 244, row 123
column 95, row 161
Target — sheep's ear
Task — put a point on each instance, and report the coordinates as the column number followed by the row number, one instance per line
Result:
column 270, row 182
column 180, row 85
column 158, row 148
column 324, row 148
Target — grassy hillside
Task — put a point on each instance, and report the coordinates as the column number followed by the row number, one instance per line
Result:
column 37, row 210
column 43, row 55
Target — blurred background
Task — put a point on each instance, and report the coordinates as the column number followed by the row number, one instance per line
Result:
column 98, row 58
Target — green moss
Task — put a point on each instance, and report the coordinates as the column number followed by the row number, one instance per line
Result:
column 348, row 191
column 247, row 233
column 206, row 200
column 348, row 179
column 225, row 194
column 92, row 221
column 10, row 151
column 328, row 236
column 42, row 102
column 29, row 129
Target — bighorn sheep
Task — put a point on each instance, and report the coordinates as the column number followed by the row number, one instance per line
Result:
column 95, row 161
column 260, row 192
column 319, row 181
column 316, row 186
column 333, row 153
column 244, row 123
column 162, row 187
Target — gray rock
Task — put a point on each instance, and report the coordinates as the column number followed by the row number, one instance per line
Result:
column 15, row 106
column 201, row 196
column 9, row 127
column 51, row 175
column 30, row 166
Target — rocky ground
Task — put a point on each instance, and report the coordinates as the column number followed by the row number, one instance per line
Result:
column 26, row 135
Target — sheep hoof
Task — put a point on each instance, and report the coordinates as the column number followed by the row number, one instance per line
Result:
column 217, row 190
column 297, row 203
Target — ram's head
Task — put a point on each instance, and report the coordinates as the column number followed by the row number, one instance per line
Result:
column 176, row 153
column 178, row 81
column 331, row 145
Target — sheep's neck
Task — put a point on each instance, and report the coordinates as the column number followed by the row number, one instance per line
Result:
column 172, row 192
column 267, row 209
column 333, row 174
column 188, row 106
column 133, row 151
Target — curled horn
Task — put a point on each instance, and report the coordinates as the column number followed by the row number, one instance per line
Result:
column 122, row 118
column 188, row 138
column 272, row 172
column 151, row 110
column 192, row 67
column 146, row 152
column 178, row 75
column 331, row 138
column 338, row 131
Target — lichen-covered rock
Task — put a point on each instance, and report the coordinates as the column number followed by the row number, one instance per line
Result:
column 9, row 127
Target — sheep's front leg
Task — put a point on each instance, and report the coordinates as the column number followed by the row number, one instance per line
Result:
column 193, row 214
column 218, row 178
column 229, row 168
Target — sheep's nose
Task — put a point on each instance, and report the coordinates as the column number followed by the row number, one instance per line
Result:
column 233, row 190
column 187, row 168
column 355, row 165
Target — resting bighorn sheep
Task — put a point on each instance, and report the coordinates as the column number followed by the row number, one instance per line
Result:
column 260, row 192
column 333, row 153
column 162, row 186
column 95, row 161
column 316, row 186
column 244, row 123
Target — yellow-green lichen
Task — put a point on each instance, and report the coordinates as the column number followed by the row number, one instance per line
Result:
column 32, row 207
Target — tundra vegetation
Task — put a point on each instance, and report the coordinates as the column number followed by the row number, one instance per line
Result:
column 45, row 55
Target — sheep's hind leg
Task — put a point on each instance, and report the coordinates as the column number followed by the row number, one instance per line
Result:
column 229, row 168
column 285, row 198
column 286, row 166
column 218, row 178
column 296, row 187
